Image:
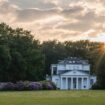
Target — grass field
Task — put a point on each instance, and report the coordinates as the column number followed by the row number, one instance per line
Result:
column 53, row 98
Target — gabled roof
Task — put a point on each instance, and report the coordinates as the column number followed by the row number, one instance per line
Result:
column 74, row 73
column 73, row 60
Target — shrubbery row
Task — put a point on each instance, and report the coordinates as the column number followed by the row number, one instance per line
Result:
column 20, row 86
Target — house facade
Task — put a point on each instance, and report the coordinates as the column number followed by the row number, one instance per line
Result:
column 72, row 74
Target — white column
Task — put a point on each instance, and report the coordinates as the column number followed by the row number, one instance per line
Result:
column 88, row 83
column 61, row 83
column 52, row 71
column 66, row 83
column 71, row 82
column 77, row 83
column 82, row 84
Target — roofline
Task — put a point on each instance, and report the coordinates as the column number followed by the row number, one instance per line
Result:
column 72, row 70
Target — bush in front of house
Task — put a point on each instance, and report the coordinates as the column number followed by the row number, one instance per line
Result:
column 2, row 85
column 96, row 87
column 35, row 86
column 9, row 86
column 53, row 85
column 48, row 85
column 20, row 86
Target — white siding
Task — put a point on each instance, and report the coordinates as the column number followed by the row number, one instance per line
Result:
column 73, row 67
column 93, row 80
column 86, row 67
column 56, row 80
column 64, row 83
column 61, row 67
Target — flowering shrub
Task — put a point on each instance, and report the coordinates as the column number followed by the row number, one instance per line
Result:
column 44, row 85
column 20, row 86
column 2, row 85
column 35, row 86
column 48, row 85
column 9, row 86
column 53, row 85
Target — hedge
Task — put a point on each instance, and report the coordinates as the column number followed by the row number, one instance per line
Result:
column 27, row 85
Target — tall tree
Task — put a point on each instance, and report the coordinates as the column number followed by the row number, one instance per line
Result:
column 20, row 56
column 99, row 66
column 53, row 51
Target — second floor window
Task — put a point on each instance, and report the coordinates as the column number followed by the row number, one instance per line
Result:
column 54, row 70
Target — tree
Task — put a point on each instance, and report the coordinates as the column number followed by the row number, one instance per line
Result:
column 20, row 55
column 99, row 66
column 53, row 51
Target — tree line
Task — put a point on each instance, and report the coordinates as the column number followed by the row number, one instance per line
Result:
column 22, row 57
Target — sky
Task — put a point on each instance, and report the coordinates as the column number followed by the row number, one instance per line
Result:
column 57, row 19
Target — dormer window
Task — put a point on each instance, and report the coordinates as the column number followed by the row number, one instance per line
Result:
column 70, row 61
column 54, row 70
column 73, row 61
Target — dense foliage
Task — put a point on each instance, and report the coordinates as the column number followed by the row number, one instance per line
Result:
column 27, row 85
column 20, row 55
column 54, row 51
column 24, row 58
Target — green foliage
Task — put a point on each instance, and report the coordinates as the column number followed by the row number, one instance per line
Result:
column 53, row 51
column 20, row 55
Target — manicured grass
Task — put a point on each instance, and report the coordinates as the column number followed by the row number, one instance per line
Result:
column 53, row 98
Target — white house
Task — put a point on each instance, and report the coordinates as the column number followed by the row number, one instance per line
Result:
column 72, row 73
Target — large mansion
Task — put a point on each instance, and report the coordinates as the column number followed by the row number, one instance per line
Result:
column 72, row 73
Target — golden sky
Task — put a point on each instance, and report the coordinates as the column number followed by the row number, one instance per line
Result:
column 57, row 19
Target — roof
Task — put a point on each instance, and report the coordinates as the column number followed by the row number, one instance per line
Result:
column 73, row 60
column 74, row 73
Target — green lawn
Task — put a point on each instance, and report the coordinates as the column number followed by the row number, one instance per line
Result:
column 53, row 98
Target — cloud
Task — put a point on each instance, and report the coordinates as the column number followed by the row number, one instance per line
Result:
column 41, row 4
column 35, row 14
column 7, row 11
column 56, row 19
column 72, row 11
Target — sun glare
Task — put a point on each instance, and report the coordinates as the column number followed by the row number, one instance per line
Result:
column 103, row 49
column 101, row 55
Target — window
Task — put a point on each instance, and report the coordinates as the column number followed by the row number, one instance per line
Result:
column 54, row 72
column 73, row 61
column 56, row 81
column 70, row 61
column 91, row 81
column 54, row 68
column 84, row 86
column 75, row 67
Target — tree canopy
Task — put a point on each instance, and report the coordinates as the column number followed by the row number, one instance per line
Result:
column 20, row 55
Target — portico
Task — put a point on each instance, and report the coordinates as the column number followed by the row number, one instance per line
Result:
column 74, row 83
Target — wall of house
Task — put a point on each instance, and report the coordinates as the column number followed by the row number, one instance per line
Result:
column 56, row 80
column 93, row 80
column 73, row 67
